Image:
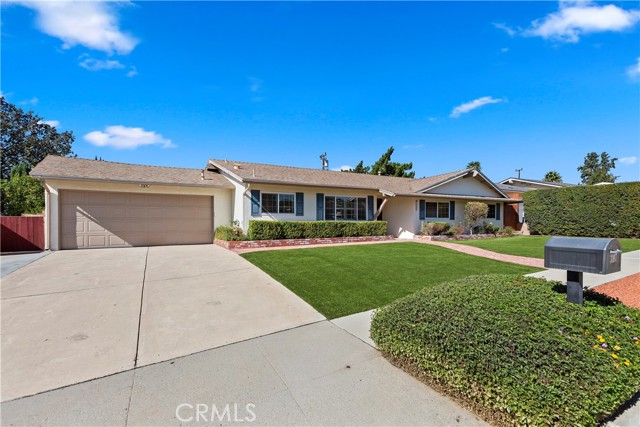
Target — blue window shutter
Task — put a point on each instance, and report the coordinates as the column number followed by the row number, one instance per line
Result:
column 423, row 210
column 299, row 204
column 319, row 206
column 498, row 211
column 452, row 210
column 255, row 202
column 370, row 208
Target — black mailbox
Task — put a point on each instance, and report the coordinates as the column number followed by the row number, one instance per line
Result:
column 580, row 255
column 584, row 254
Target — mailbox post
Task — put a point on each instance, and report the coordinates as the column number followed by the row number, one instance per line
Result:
column 579, row 255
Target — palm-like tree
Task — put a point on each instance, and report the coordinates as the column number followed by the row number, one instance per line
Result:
column 553, row 176
column 474, row 165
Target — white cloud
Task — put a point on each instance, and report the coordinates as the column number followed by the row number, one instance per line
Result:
column 133, row 71
column 93, row 24
column 52, row 123
column 504, row 27
column 343, row 168
column 432, row 119
column 412, row 146
column 93, row 64
column 504, row 50
column 576, row 18
column 472, row 105
column 634, row 70
column 123, row 137
column 631, row 160
column 32, row 101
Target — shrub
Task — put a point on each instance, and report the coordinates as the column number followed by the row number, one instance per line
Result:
column 512, row 348
column 273, row 230
column 227, row 233
column 489, row 228
column 591, row 211
column 21, row 194
column 456, row 230
column 507, row 231
column 435, row 228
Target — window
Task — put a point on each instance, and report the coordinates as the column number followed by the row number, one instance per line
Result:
column 286, row 203
column 274, row 203
column 491, row 213
column 340, row 208
column 437, row 210
column 432, row 210
column 269, row 203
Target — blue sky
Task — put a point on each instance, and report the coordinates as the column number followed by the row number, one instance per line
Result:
column 532, row 85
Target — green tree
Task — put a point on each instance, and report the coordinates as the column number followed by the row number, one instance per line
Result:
column 553, row 176
column 27, row 139
column 474, row 212
column 21, row 194
column 597, row 169
column 360, row 168
column 384, row 166
column 474, row 165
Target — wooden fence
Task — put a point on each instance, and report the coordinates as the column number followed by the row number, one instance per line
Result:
column 22, row 233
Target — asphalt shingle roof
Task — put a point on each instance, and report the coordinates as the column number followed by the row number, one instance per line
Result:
column 258, row 172
column 98, row 170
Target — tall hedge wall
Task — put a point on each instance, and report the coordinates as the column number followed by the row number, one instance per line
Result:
column 589, row 211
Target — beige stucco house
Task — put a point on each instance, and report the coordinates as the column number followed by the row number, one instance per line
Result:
column 94, row 204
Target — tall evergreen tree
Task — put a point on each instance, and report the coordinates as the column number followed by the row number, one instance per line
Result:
column 597, row 169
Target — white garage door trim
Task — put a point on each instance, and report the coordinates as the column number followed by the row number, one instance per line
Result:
column 100, row 219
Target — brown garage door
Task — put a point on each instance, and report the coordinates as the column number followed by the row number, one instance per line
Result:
column 96, row 219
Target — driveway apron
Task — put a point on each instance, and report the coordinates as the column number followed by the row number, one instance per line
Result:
column 78, row 315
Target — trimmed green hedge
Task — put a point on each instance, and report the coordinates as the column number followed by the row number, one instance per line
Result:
column 229, row 233
column 514, row 349
column 272, row 230
column 590, row 211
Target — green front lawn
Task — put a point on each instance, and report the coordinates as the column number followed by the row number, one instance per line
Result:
column 529, row 246
column 342, row 280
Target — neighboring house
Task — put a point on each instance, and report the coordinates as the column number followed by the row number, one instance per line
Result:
column 105, row 204
column 514, row 187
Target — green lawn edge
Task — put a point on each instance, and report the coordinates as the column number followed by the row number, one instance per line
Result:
column 342, row 280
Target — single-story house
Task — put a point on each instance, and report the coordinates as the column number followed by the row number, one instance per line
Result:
column 94, row 203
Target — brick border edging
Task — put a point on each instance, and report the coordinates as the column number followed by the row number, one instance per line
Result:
column 253, row 244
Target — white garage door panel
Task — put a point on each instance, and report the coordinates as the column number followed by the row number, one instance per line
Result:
column 92, row 219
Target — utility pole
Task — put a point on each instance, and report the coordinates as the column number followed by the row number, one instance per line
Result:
column 325, row 162
column 518, row 172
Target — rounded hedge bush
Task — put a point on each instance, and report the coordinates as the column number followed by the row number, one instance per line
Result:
column 513, row 349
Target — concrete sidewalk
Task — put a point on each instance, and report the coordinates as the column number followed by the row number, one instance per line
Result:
column 630, row 265
column 12, row 262
column 311, row 375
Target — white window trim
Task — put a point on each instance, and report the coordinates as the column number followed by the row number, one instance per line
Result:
column 437, row 210
column 366, row 207
column 262, row 212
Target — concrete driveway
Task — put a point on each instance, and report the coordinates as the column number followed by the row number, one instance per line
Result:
column 78, row 315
